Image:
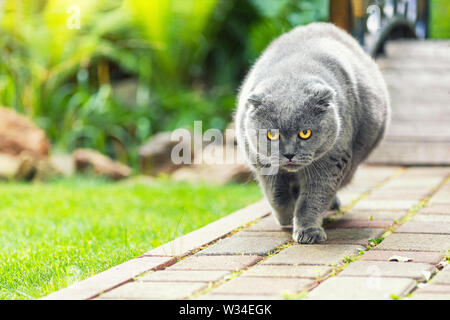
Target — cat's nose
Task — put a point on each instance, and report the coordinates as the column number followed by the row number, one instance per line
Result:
column 289, row 155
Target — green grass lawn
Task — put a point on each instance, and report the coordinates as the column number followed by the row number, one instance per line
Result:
column 54, row 234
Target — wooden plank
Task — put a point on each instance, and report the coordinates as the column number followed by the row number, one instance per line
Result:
column 411, row 153
column 411, row 64
column 418, row 76
column 402, row 96
column 419, row 49
column 414, row 103
column 425, row 95
column 419, row 128
column 423, row 114
column 427, row 113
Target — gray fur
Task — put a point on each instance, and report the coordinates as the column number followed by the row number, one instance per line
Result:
column 314, row 77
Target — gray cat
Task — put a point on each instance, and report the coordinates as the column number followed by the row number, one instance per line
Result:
column 311, row 109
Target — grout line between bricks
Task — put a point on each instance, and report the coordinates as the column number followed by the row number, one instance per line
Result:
column 415, row 208
column 289, row 243
column 237, row 273
column 407, row 217
column 338, row 267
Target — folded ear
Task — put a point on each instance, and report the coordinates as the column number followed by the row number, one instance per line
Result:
column 320, row 94
column 255, row 100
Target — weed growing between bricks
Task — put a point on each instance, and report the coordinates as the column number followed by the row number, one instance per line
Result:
column 412, row 212
column 410, row 215
column 236, row 274
column 346, row 260
column 294, row 296
column 336, row 268
column 213, row 285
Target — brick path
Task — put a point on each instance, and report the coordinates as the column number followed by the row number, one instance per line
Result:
column 391, row 241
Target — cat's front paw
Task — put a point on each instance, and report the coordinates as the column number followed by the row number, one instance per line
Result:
column 309, row 235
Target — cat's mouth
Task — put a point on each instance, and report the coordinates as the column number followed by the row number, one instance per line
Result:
column 292, row 166
column 297, row 164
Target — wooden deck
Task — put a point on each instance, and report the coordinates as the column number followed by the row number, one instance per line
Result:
column 418, row 78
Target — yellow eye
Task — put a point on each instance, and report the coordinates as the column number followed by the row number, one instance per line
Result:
column 272, row 135
column 305, row 134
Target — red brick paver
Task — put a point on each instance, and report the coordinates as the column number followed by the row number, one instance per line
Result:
column 362, row 288
column 424, row 227
column 443, row 277
column 230, row 263
column 436, row 209
column 236, row 245
column 288, row 271
column 185, row 275
column 435, row 288
column 415, row 256
column 263, row 286
column 416, row 271
column 430, row 296
column 154, row 290
column 386, row 215
column 110, row 278
column 315, row 254
column 360, row 236
column 416, row 242
column 347, row 223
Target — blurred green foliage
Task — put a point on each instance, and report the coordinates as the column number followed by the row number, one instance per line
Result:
column 129, row 68
column 136, row 67
column 440, row 19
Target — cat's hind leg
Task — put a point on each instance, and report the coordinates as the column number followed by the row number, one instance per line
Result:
column 335, row 204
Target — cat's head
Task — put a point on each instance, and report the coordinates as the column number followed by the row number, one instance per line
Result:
column 291, row 124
